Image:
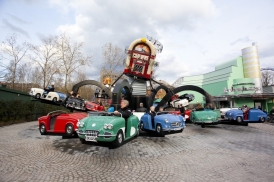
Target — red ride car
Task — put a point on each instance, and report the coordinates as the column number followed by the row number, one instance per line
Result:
column 60, row 122
column 187, row 114
column 92, row 106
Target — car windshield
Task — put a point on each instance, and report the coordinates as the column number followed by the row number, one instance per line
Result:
column 100, row 114
column 56, row 112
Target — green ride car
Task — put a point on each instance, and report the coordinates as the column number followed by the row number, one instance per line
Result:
column 204, row 117
column 106, row 127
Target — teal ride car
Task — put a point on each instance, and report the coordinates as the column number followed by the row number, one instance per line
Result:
column 204, row 117
column 107, row 127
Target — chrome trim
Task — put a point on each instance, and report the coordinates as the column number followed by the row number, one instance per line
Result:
column 97, row 135
column 173, row 129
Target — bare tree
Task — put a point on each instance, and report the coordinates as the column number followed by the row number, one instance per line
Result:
column 71, row 57
column 267, row 78
column 34, row 76
column 11, row 54
column 113, row 61
column 46, row 58
column 22, row 76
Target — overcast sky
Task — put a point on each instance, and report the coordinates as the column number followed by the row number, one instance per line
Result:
column 196, row 34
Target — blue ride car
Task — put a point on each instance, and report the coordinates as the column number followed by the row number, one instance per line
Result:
column 164, row 123
column 253, row 116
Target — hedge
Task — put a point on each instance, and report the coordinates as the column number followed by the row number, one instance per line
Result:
column 18, row 110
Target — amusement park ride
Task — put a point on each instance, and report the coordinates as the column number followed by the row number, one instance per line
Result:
column 104, row 126
column 141, row 56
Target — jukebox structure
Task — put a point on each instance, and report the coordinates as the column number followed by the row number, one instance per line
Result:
column 141, row 55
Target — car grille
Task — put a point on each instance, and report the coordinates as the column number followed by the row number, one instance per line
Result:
column 92, row 133
column 176, row 124
column 138, row 68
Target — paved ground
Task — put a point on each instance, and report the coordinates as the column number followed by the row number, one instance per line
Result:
column 215, row 153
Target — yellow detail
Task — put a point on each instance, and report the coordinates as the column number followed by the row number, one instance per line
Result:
column 107, row 80
column 143, row 40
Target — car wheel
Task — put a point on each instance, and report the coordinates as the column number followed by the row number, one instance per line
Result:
column 262, row 119
column 69, row 130
column 37, row 96
column 142, row 126
column 42, row 129
column 83, row 141
column 119, row 139
column 203, row 125
column 239, row 119
column 137, row 132
column 159, row 130
column 54, row 99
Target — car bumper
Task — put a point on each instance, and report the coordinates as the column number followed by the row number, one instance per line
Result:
column 107, row 137
column 207, row 122
column 173, row 129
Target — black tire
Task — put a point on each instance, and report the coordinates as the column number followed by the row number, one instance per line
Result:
column 83, row 141
column 262, row 119
column 142, row 126
column 203, row 125
column 69, row 129
column 42, row 129
column 37, row 96
column 54, row 99
column 239, row 119
column 138, row 132
column 119, row 139
column 159, row 130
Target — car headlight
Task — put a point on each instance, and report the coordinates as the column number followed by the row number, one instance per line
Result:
column 166, row 120
column 80, row 124
column 108, row 126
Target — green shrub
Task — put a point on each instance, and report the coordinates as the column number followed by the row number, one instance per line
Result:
column 18, row 110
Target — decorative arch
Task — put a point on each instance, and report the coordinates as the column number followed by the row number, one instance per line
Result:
column 76, row 87
column 168, row 96
column 154, row 92
column 117, row 90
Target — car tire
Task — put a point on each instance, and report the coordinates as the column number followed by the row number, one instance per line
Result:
column 54, row 99
column 119, row 139
column 239, row 119
column 203, row 125
column 262, row 119
column 37, row 96
column 142, row 126
column 83, row 141
column 42, row 129
column 69, row 130
column 159, row 130
column 138, row 132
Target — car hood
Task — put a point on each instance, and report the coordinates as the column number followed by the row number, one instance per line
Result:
column 205, row 114
column 234, row 111
column 97, row 122
column 170, row 117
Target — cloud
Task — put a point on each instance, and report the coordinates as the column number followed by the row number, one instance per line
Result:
column 18, row 20
column 245, row 39
column 120, row 22
column 14, row 28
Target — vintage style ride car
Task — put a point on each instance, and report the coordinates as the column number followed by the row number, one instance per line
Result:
column 252, row 115
column 163, row 123
column 74, row 103
column 36, row 92
column 106, row 127
column 92, row 106
column 224, row 110
column 56, row 97
column 204, row 117
column 60, row 122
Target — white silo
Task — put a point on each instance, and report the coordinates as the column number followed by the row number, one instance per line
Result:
column 251, row 65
